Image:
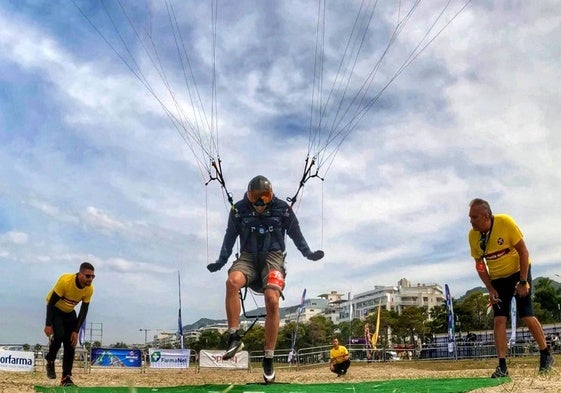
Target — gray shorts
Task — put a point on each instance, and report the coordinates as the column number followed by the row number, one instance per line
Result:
column 256, row 276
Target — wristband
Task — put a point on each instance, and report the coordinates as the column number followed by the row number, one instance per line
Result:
column 523, row 282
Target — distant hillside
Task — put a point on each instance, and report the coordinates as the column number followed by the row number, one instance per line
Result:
column 554, row 284
column 203, row 322
column 261, row 310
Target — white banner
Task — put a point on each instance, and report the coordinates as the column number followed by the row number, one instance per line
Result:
column 169, row 358
column 16, row 360
column 208, row 358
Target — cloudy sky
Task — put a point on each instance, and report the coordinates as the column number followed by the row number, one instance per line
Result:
column 98, row 164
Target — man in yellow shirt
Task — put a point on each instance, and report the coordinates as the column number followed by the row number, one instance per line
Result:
column 339, row 356
column 61, row 324
column 503, row 264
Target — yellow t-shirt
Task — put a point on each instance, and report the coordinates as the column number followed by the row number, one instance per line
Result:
column 69, row 292
column 334, row 354
column 500, row 255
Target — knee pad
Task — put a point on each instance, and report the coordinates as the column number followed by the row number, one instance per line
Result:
column 275, row 280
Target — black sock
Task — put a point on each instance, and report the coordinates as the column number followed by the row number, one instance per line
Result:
column 544, row 352
column 502, row 363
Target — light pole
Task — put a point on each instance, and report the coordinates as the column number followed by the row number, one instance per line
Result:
column 145, row 335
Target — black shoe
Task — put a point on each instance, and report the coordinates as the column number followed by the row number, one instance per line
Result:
column 546, row 362
column 500, row 373
column 235, row 345
column 50, row 366
column 66, row 381
column 268, row 370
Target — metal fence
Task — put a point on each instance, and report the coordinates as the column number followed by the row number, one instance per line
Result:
column 482, row 346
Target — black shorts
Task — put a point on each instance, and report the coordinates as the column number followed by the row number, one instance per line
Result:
column 506, row 288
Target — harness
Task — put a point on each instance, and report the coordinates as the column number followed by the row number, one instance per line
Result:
column 259, row 235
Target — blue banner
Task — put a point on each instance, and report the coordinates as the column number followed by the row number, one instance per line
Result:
column 450, row 315
column 116, row 357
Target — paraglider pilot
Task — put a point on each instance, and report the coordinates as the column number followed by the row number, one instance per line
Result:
column 261, row 221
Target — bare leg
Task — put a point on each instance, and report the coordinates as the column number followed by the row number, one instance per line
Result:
column 536, row 330
column 500, row 336
column 273, row 319
column 235, row 281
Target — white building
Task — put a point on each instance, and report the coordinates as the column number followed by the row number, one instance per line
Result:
column 312, row 307
column 342, row 308
column 393, row 298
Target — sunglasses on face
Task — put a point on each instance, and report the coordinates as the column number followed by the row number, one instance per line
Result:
column 259, row 203
column 88, row 276
column 260, row 197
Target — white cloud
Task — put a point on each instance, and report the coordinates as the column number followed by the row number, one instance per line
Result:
column 14, row 237
column 96, row 171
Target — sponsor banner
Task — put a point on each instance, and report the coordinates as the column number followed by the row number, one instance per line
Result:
column 17, row 360
column 358, row 340
column 208, row 358
column 169, row 358
column 116, row 357
column 450, row 317
column 512, row 339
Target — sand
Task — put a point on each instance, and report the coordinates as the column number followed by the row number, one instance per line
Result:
column 524, row 376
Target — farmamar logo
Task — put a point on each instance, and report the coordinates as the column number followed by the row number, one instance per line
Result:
column 155, row 357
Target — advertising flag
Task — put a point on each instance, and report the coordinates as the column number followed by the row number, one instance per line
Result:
column 450, row 314
column 179, row 322
column 512, row 339
column 295, row 334
column 376, row 333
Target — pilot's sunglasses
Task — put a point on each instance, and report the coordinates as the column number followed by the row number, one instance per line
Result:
column 259, row 202
column 264, row 197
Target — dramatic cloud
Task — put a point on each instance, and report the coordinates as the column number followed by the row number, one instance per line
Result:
column 106, row 147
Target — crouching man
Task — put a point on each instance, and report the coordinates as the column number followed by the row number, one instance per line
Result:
column 339, row 356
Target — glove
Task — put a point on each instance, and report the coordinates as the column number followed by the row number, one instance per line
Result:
column 216, row 266
column 315, row 256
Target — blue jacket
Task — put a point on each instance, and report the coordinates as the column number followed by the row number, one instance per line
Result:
column 262, row 233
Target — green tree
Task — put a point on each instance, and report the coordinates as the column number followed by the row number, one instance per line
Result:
column 119, row 345
column 548, row 299
column 438, row 320
column 254, row 339
column 408, row 324
column 286, row 335
column 320, row 331
column 471, row 313
column 209, row 339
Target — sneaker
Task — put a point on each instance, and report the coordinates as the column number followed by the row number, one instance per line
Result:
column 235, row 345
column 66, row 381
column 268, row 370
column 545, row 363
column 50, row 366
column 500, row 373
